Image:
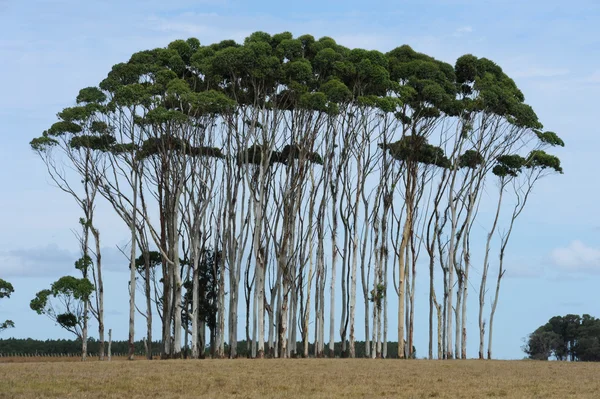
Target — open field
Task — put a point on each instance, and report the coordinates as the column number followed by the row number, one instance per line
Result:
column 314, row 378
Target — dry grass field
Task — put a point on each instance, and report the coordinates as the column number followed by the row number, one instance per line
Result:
column 312, row 378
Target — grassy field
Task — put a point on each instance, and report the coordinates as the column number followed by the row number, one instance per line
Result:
column 313, row 378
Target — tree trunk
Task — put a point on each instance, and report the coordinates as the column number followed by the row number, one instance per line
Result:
column 100, row 289
column 148, row 292
column 132, row 270
column 333, row 270
column 109, row 344
column 260, row 299
column 195, row 301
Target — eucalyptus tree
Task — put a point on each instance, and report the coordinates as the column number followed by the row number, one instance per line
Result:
column 65, row 303
column 6, row 289
column 495, row 121
column 72, row 151
column 523, row 172
column 425, row 87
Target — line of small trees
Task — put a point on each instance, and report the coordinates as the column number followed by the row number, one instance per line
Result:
column 293, row 173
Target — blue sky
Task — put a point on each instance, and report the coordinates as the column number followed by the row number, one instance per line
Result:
column 50, row 49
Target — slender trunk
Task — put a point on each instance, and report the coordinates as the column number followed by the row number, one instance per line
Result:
column 457, row 314
column 440, row 343
column 84, row 331
column 307, row 307
column 260, row 299
column 109, row 344
column 463, row 353
column 177, row 286
column 195, row 300
column 148, row 303
column 132, row 269
column 431, row 294
column 402, row 265
column 333, row 270
column 482, row 287
column 493, row 312
column 100, row 290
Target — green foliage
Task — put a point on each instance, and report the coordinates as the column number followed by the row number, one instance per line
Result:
column 541, row 160
column 63, row 302
column 415, row 149
column 85, row 262
column 509, row 165
column 6, row 289
column 91, row 95
column 39, row 303
column 209, row 272
column 5, row 325
column 377, row 295
column 470, row 159
column 79, row 288
column 550, row 138
column 571, row 337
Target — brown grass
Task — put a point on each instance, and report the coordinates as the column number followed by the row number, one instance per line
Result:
column 314, row 378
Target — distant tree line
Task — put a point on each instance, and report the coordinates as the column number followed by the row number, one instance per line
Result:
column 62, row 346
column 68, row 346
column 571, row 337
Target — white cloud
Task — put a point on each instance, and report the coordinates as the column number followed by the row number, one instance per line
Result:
column 577, row 257
column 463, row 30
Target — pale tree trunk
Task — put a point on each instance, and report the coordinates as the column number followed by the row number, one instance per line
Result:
column 384, row 342
column 109, row 344
column 333, row 271
column 352, row 304
column 482, row 287
column 403, row 265
column 411, row 318
column 457, row 312
column 177, row 284
column 493, row 311
column 431, row 301
column 195, row 299
column 467, row 261
column 260, row 299
column 132, row 269
column 100, row 292
column 440, row 343
column 306, row 318
column 84, row 331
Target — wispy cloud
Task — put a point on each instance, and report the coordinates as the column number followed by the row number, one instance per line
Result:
column 577, row 258
column 462, row 31
column 53, row 261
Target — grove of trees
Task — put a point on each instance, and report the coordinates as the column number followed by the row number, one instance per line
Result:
column 285, row 178
column 571, row 337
